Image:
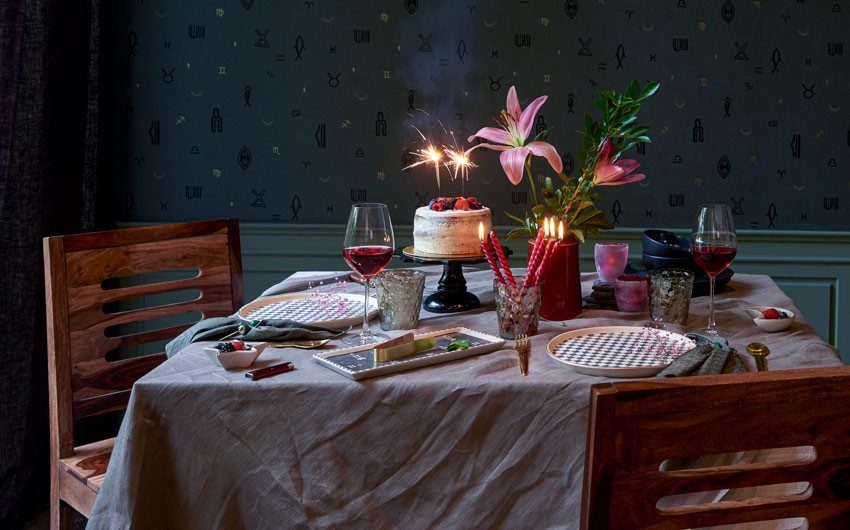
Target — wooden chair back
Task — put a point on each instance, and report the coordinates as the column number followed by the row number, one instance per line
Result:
column 634, row 427
column 84, row 326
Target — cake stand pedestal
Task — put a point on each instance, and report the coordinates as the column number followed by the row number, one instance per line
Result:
column 451, row 295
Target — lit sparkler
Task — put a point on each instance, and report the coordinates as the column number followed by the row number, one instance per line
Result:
column 454, row 159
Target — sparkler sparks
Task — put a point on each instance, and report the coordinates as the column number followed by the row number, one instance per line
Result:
column 455, row 159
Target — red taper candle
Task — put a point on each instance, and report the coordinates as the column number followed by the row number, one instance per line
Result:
column 535, row 250
column 488, row 253
column 502, row 258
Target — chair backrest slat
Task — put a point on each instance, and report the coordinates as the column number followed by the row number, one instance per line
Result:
column 96, row 307
column 637, row 428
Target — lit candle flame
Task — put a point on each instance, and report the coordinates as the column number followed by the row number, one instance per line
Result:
column 560, row 229
column 481, row 231
column 546, row 227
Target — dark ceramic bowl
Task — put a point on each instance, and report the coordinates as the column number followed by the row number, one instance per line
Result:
column 664, row 262
column 666, row 244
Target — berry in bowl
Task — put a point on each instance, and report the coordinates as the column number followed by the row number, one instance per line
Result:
column 771, row 319
column 234, row 354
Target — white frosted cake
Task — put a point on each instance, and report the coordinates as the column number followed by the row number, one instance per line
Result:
column 448, row 231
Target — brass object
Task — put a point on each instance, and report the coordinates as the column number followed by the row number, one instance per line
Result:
column 523, row 349
column 759, row 352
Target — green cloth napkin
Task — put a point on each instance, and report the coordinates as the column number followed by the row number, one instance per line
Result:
column 704, row 360
column 271, row 329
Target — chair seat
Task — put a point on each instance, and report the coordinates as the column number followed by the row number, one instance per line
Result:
column 89, row 463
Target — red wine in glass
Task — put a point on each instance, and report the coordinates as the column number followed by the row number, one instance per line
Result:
column 368, row 248
column 714, row 259
column 369, row 260
column 713, row 246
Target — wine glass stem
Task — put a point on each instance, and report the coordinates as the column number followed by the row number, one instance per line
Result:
column 365, row 333
column 711, row 324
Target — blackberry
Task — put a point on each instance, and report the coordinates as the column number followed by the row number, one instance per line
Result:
column 224, row 347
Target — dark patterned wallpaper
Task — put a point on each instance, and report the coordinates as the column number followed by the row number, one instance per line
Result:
column 288, row 111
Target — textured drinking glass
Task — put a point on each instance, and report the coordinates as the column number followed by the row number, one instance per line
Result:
column 400, row 298
column 670, row 296
column 610, row 260
column 630, row 292
column 517, row 308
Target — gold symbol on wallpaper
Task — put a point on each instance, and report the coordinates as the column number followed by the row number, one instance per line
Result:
column 754, row 160
column 325, row 178
column 267, row 122
column 544, row 21
column 326, row 20
column 222, row 70
column 834, row 108
column 644, row 183
column 180, row 120
column 746, row 132
column 647, row 28
column 361, row 98
column 703, row 81
column 701, row 25
column 275, row 150
column 381, row 175
column 819, row 133
column 160, row 15
column 345, row 124
column 197, row 93
column 219, row 12
column 799, row 187
column 665, row 129
column 547, row 78
column 158, row 177
column 679, row 105
column 488, row 23
column 386, row 74
column 216, row 172
column 486, row 180
column 385, row 17
column 698, row 181
column 802, row 32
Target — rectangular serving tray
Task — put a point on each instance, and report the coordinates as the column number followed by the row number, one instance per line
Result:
column 357, row 362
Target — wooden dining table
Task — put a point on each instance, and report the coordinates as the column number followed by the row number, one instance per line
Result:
column 464, row 444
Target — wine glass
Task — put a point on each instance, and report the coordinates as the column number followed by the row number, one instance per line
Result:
column 713, row 246
column 367, row 249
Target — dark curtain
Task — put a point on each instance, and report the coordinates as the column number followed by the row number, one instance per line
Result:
column 56, row 125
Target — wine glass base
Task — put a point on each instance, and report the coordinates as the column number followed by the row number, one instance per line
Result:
column 359, row 340
column 716, row 332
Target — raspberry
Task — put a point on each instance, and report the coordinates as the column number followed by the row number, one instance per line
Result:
column 461, row 204
column 238, row 345
column 770, row 314
column 438, row 207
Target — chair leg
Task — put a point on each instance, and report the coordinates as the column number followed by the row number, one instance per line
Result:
column 61, row 515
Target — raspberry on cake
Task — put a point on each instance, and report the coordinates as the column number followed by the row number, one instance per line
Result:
column 448, row 226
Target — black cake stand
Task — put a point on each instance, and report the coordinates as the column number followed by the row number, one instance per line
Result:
column 451, row 295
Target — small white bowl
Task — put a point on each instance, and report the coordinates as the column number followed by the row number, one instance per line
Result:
column 234, row 360
column 771, row 325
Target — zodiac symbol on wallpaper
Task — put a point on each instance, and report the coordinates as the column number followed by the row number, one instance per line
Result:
column 166, row 45
column 728, row 11
column 129, row 202
column 680, row 45
column 540, row 126
column 808, row 61
column 741, row 55
column 344, row 124
column 216, row 121
column 160, row 15
column 153, row 132
column 653, row 58
column 262, row 38
column 649, row 214
column 727, row 105
column 247, row 3
column 321, row 136
column 333, row 80
column 327, row 20
column 275, row 150
column 359, row 153
column 571, row 99
column 489, row 23
column 772, row 123
column 194, row 150
column 139, row 160
column 519, row 197
column 803, row 32
column 461, row 51
column 222, row 70
column 495, row 84
column 737, row 205
column 194, row 192
column 758, row 69
column 309, row 3
column 132, row 42
column 620, row 55
column 775, row 59
column 698, row 131
column 746, row 132
column 781, row 172
column 569, row 163
column 426, row 43
column 306, row 163
column 243, row 158
column 167, row 77
column 724, row 167
column 421, row 198
column 681, row 3
column 380, row 125
column 159, row 176
column 410, row 98
column 522, row 40
column 362, row 36
column 832, row 163
column 358, row 194
column 771, row 215
column 329, row 208
column 616, row 210
column 799, row 187
column 677, row 159
column 163, row 205
column 679, row 105
column 259, row 201
column 809, row 92
column 795, row 145
column 333, row 50
column 295, row 206
column 299, row 47
column 641, row 148
column 630, row 12
column 676, row 200
column 835, row 48
column 804, row 216
column 585, row 48
column 411, row 5
column 197, row 31
column 267, row 122
column 494, row 54
column 644, row 183
column 216, row 172
column 196, row 93
column 571, row 8
column 246, row 93
column 647, row 28
column 834, row 108
column 361, row 98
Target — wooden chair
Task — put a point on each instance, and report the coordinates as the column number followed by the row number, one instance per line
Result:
column 84, row 321
column 635, row 426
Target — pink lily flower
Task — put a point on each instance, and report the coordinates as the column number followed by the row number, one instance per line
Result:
column 511, row 138
column 614, row 172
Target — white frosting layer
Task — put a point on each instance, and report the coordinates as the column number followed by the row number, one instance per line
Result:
column 450, row 232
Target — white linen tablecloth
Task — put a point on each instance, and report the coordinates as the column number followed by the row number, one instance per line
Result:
column 465, row 444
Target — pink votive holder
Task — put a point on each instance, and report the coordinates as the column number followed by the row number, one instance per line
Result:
column 630, row 291
column 610, row 260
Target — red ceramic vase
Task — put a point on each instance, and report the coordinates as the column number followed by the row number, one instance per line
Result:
column 561, row 282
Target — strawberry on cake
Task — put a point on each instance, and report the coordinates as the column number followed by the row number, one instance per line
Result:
column 448, row 226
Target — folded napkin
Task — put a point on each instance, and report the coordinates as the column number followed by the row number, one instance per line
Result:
column 271, row 329
column 703, row 360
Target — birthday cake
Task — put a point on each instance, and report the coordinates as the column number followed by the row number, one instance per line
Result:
column 448, row 226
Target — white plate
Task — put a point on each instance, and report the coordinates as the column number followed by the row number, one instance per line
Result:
column 332, row 310
column 618, row 351
column 355, row 365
